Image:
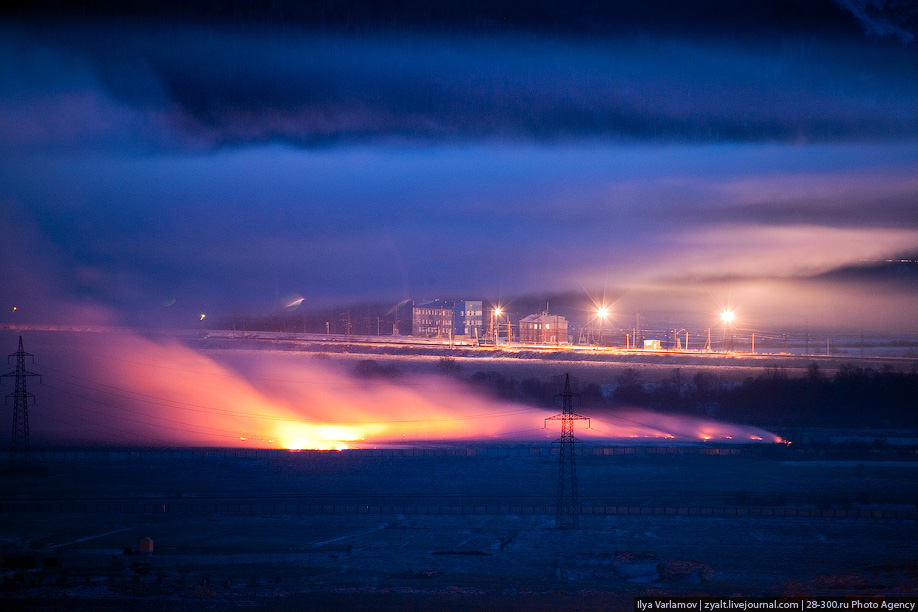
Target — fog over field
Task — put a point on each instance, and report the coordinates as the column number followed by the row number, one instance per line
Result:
column 218, row 214
column 121, row 388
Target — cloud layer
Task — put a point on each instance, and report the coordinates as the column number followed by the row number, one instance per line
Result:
column 217, row 166
column 192, row 86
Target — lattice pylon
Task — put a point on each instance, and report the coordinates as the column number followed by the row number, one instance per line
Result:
column 567, row 507
column 19, row 441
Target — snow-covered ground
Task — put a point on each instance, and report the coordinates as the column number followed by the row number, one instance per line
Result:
column 377, row 543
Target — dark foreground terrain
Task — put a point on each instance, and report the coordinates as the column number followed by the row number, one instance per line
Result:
column 448, row 528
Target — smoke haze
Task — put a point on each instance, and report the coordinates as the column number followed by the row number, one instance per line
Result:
column 124, row 389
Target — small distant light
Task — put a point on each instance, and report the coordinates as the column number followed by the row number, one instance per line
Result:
column 15, row 308
column 202, row 316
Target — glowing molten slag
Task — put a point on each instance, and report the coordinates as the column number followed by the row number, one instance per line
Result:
column 170, row 394
column 295, row 435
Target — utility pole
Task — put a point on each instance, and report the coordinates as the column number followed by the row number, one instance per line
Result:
column 19, row 446
column 567, row 508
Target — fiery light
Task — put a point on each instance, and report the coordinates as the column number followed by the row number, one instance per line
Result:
column 163, row 392
column 299, row 436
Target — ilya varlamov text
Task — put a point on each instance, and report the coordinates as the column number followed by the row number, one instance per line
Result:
column 717, row 605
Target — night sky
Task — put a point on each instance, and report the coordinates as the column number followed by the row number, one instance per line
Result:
column 676, row 157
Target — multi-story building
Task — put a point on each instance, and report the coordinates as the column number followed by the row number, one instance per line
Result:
column 432, row 319
column 447, row 319
column 468, row 318
column 543, row 328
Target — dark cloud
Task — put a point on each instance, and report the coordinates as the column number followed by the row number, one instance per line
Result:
column 898, row 274
column 215, row 86
column 882, row 18
column 168, row 163
column 573, row 18
column 901, row 212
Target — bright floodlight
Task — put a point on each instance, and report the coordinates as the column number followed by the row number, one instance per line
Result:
column 603, row 312
column 498, row 311
column 727, row 316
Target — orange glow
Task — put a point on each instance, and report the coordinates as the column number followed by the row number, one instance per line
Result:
column 298, row 436
column 161, row 392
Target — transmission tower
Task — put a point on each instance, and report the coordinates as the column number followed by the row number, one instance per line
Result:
column 19, row 446
column 567, row 508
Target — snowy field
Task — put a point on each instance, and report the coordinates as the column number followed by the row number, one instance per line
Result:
column 353, row 530
column 417, row 526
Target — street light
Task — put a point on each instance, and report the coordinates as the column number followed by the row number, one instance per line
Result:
column 728, row 317
column 494, row 315
column 601, row 313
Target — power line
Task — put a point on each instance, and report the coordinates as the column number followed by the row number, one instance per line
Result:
column 233, row 375
column 151, row 399
column 196, row 430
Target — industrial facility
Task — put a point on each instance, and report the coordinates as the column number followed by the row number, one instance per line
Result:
column 465, row 321
column 457, row 320
column 543, row 328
